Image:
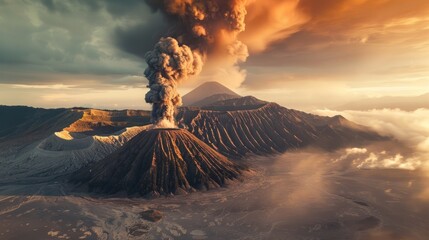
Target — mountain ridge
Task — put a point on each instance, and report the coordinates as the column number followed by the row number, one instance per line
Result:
column 270, row 129
column 206, row 90
column 213, row 98
column 235, row 128
column 303, row 128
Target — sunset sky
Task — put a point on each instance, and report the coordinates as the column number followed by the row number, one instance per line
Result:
column 304, row 54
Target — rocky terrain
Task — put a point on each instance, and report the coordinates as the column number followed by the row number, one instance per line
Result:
column 52, row 142
column 47, row 143
column 367, row 193
column 20, row 126
column 99, row 122
column 241, row 126
column 235, row 104
column 60, row 154
column 159, row 161
column 297, row 195
column 213, row 98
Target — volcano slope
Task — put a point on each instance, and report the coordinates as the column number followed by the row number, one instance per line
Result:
column 242, row 126
column 55, row 142
column 41, row 144
column 20, row 125
column 159, row 161
column 106, row 122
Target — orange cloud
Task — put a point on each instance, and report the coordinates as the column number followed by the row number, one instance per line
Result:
column 269, row 21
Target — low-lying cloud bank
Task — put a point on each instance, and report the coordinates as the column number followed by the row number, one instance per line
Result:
column 409, row 128
column 363, row 158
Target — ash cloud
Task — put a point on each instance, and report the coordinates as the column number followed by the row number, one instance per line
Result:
column 211, row 27
column 202, row 30
column 168, row 64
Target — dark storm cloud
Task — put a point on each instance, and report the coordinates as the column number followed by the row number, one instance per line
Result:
column 131, row 29
column 114, row 7
column 136, row 38
column 140, row 38
column 59, row 6
column 45, row 37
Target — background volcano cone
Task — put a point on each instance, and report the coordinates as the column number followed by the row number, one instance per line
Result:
column 159, row 161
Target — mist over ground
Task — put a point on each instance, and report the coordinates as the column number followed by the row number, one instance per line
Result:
column 410, row 132
column 411, row 128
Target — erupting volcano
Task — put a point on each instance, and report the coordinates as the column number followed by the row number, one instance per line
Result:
column 165, row 159
column 160, row 161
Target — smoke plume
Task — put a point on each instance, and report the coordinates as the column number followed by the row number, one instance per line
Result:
column 168, row 64
column 208, row 26
column 200, row 29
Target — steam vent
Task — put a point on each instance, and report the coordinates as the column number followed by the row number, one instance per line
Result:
column 159, row 162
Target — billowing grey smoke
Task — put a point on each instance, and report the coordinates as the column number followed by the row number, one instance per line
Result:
column 211, row 26
column 168, row 64
column 200, row 29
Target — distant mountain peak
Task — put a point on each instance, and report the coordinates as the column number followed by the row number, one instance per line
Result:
column 212, row 83
column 204, row 94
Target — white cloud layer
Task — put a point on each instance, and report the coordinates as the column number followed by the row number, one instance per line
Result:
column 409, row 128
